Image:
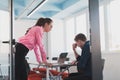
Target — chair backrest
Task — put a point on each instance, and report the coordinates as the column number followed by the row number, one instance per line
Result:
column 103, row 63
column 55, row 58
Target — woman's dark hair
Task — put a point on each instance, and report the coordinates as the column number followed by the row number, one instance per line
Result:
column 42, row 21
column 81, row 37
column 27, row 30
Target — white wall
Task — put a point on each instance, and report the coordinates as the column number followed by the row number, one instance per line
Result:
column 4, row 35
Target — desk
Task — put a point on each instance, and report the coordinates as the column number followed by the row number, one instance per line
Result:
column 55, row 65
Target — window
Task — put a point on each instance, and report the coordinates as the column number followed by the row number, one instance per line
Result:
column 114, row 24
column 81, row 25
column 70, row 30
column 102, row 30
column 109, row 24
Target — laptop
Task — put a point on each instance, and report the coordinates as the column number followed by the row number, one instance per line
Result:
column 62, row 58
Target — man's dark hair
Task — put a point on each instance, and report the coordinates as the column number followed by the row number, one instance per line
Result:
column 81, row 37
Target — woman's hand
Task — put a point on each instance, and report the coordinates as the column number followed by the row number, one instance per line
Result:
column 47, row 64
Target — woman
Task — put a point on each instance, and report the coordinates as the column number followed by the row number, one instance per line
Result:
column 32, row 40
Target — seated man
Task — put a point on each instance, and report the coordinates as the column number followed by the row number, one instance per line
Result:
column 83, row 61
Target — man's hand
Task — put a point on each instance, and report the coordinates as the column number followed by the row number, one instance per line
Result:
column 73, row 62
column 74, row 46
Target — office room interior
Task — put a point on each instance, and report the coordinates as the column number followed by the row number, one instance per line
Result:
column 70, row 17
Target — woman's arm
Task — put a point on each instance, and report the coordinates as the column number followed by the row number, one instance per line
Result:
column 39, row 36
column 37, row 54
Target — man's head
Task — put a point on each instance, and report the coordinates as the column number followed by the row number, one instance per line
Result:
column 80, row 39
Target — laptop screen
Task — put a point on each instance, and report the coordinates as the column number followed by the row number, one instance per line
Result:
column 62, row 57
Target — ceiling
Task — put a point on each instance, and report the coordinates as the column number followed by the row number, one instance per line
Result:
column 51, row 8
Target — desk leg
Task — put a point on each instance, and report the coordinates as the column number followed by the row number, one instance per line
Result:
column 47, row 74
